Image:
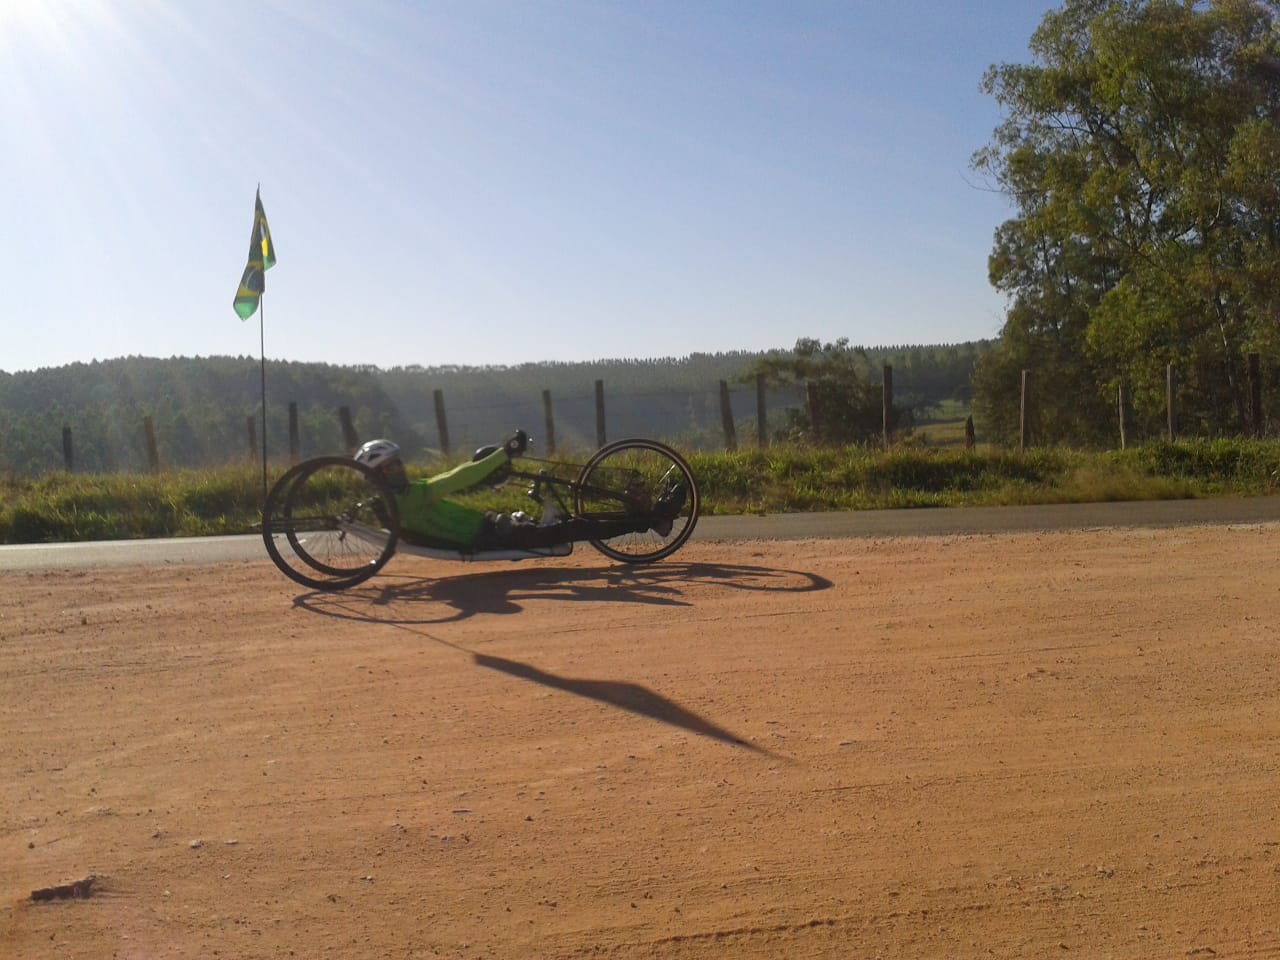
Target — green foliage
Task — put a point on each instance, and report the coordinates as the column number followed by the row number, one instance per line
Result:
column 842, row 405
column 780, row 479
column 790, row 478
column 62, row 507
column 1217, row 465
column 961, row 472
column 1140, row 149
column 200, row 408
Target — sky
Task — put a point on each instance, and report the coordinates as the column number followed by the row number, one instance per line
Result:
column 470, row 182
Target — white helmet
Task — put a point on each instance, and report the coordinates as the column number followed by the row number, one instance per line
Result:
column 378, row 453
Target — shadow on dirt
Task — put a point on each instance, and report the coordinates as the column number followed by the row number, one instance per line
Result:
column 414, row 601
column 625, row 696
column 410, row 603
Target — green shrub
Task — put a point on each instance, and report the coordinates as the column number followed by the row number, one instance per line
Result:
column 1247, row 465
column 66, row 507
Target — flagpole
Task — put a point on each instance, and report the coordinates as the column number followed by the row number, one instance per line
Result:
column 262, row 353
column 250, row 297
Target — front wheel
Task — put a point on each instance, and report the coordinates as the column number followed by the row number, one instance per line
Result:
column 330, row 523
column 641, row 480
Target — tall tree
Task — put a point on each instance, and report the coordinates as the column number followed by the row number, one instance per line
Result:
column 843, row 405
column 1140, row 149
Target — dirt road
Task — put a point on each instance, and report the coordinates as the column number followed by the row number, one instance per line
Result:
column 1018, row 746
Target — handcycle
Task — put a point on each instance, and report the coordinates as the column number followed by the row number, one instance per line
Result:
column 332, row 522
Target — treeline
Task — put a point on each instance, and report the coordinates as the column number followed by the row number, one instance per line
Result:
column 1139, row 148
column 199, row 409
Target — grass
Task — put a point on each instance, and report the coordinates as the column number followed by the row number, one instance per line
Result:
column 67, row 507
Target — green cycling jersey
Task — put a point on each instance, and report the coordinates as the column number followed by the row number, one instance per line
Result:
column 425, row 511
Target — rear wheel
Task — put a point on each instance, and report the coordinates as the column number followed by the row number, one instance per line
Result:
column 628, row 479
column 330, row 523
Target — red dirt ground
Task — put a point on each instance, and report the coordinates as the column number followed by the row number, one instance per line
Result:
column 1016, row 746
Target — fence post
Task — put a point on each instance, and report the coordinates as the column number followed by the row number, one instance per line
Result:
column 601, row 435
column 549, row 423
column 1255, row 394
column 726, row 418
column 153, row 451
column 886, row 403
column 66, row 449
column 1122, row 411
column 349, row 435
column 1024, row 420
column 970, row 435
column 762, row 414
column 815, row 413
column 1170, row 394
column 442, row 422
column 253, row 441
column 295, row 444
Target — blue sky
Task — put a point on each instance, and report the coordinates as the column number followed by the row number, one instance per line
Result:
column 483, row 182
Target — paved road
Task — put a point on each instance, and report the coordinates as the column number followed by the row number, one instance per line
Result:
column 796, row 526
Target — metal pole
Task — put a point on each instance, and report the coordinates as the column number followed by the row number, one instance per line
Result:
column 262, row 353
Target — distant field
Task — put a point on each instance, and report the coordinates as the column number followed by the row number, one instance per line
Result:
column 943, row 426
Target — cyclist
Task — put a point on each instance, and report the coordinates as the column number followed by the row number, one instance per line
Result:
column 426, row 514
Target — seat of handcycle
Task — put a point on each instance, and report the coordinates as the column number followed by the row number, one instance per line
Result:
column 433, row 543
column 448, row 549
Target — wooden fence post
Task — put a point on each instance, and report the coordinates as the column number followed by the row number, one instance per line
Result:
column 970, row 435
column 153, row 451
column 349, row 436
column 762, row 414
column 1024, row 419
column 295, row 443
column 815, row 413
column 601, row 433
column 886, row 403
column 1122, row 411
column 1255, row 395
column 442, row 422
column 726, row 418
column 549, row 423
column 67, row 459
column 253, row 441
column 1170, row 395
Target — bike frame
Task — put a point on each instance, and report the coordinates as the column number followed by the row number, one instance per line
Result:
column 545, row 491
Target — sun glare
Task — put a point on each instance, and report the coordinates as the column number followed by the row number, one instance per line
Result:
column 44, row 22
column 32, row 15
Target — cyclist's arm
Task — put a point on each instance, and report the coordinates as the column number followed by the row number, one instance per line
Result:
column 465, row 475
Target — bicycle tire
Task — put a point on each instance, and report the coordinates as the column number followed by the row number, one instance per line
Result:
column 625, row 479
column 338, row 519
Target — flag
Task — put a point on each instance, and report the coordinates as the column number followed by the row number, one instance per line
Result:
column 262, row 257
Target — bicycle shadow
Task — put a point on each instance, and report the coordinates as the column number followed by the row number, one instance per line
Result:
column 502, row 591
column 396, row 600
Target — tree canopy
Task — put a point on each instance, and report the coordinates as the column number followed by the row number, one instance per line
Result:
column 1141, row 151
column 843, row 405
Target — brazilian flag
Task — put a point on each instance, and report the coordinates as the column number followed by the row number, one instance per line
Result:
column 262, row 257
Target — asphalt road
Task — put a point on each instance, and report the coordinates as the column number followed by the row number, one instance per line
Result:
column 791, row 526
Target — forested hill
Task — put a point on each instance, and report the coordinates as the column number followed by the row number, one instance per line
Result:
column 199, row 408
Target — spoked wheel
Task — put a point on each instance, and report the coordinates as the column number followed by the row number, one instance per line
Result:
column 330, row 523
column 639, row 479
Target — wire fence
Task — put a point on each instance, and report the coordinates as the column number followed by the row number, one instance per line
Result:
column 716, row 419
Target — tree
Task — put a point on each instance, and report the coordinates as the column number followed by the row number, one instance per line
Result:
column 1140, row 150
column 843, row 407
